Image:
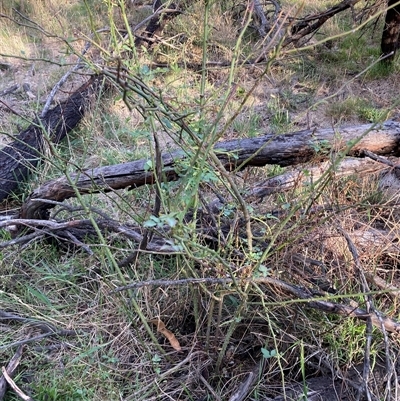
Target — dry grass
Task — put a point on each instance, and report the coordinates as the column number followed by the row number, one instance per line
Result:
column 225, row 331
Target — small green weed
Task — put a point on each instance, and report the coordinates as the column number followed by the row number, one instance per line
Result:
column 372, row 114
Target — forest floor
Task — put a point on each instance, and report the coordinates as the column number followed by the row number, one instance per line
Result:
column 250, row 341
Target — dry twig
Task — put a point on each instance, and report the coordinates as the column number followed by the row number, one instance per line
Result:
column 245, row 387
column 323, row 304
column 364, row 388
column 16, row 389
column 11, row 366
column 47, row 328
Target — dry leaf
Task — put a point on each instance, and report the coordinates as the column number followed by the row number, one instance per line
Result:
column 168, row 334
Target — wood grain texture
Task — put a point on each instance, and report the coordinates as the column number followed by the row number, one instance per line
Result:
column 284, row 150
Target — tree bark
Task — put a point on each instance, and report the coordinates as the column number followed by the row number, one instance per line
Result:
column 391, row 32
column 284, row 150
column 11, row 368
column 20, row 157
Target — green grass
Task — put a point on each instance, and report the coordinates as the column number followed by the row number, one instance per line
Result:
column 224, row 330
column 356, row 108
column 382, row 70
column 280, row 117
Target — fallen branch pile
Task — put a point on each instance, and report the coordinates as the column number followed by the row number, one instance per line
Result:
column 295, row 148
column 289, row 149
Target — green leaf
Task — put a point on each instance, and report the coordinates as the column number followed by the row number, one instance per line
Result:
column 145, row 70
column 268, row 354
column 148, row 165
column 263, row 270
column 167, row 123
column 150, row 223
column 271, row 216
column 39, row 296
column 170, row 221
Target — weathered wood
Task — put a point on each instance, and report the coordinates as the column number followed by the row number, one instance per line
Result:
column 161, row 15
column 11, row 368
column 284, row 150
column 310, row 175
column 312, row 23
column 303, row 146
column 21, row 156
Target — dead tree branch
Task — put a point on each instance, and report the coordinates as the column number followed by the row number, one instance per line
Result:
column 312, row 23
column 16, row 389
column 284, row 150
column 310, row 175
column 155, row 23
column 10, row 369
column 301, row 293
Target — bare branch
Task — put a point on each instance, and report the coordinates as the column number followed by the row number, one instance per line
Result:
column 11, row 366
column 316, row 303
column 62, row 81
column 307, row 25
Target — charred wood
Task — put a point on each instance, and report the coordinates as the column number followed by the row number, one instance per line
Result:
column 24, row 153
column 391, row 32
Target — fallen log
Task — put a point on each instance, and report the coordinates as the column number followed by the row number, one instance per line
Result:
column 310, row 175
column 304, row 146
column 284, row 150
column 19, row 158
